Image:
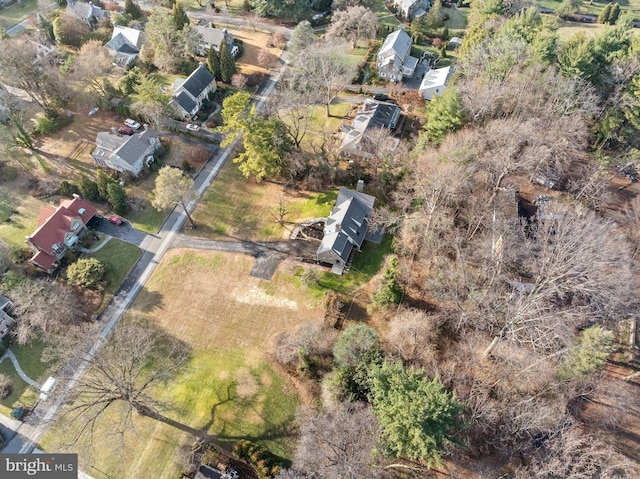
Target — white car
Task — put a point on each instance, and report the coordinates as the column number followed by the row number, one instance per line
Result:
column 193, row 127
column 132, row 123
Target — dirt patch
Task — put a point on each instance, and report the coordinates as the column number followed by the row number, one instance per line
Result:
column 246, row 384
column 254, row 42
column 258, row 297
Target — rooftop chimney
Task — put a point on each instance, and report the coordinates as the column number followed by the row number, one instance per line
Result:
column 360, row 186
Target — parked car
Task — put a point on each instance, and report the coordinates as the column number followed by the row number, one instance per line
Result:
column 126, row 130
column 116, row 220
column 380, row 97
column 132, row 123
column 94, row 111
column 193, row 127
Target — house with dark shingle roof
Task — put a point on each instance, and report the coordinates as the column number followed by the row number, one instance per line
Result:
column 6, row 321
column 58, row 231
column 125, row 44
column 394, row 60
column 365, row 131
column 346, row 228
column 214, row 37
column 88, row 12
column 188, row 96
column 126, row 153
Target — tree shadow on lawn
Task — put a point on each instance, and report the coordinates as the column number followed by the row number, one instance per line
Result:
column 229, row 398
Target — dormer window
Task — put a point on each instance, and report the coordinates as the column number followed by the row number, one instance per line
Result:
column 82, row 211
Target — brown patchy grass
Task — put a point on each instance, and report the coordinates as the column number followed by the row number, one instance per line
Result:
column 224, row 306
column 254, row 41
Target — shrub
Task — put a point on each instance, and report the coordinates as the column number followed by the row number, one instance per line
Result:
column 21, row 255
column 353, row 343
column 18, row 413
column 5, row 387
column 264, row 463
column 68, row 189
column 86, row 272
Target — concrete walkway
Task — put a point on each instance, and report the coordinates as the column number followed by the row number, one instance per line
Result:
column 9, row 354
column 97, row 248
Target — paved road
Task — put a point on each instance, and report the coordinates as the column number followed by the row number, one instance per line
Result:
column 31, row 431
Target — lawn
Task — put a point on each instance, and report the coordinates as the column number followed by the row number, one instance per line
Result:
column 28, row 357
column 16, row 13
column 457, row 21
column 237, row 208
column 18, row 214
column 119, row 257
column 228, row 387
column 144, row 216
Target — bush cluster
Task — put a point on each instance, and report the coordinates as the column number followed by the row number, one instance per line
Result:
column 260, row 459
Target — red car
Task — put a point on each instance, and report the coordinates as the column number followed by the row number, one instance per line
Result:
column 115, row 220
column 125, row 130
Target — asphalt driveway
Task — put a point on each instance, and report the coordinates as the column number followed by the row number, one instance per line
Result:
column 124, row 232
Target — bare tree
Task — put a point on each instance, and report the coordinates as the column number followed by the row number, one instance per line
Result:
column 253, row 19
column 337, row 443
column 239, row 81
column 154, row 112
column 134, row 360
column 44, row 306
column 174, row 188
column 91, row 68
column 327, row 69
column 353, row 24
column 293, row 105
column 413, row 334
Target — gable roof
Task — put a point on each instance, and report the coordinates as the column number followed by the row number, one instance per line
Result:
column 135, row 146
column 373, row 114
column 208, row 472
column 435, row 77
column 347, row 224
column 185, row 101
column 4, row 302
column 198, row 81
column 86, row 10
column 52, row 231
column 132, row 35
column 398, row 42
column 121, row 43
column 214, row 36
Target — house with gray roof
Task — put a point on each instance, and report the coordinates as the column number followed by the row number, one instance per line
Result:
column 346, row 228
column 125, row 44
column 90, row 13
column 394, row 58
column 6, row 321
column 410, row 9
column 126, row 153
column 364, row 136
column 214, row 37
column 189, row 94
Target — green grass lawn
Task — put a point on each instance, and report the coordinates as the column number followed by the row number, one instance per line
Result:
column 118, row 257
column 235, row 207
column 18, row 215
column 144, row 216
column 16, row 13
column 457, row 21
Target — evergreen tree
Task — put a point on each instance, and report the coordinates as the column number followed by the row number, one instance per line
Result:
column 389, row 289
column 444, row 114
column 62, row 3
column 301, row 38
column 605, row 14
column 133, row 9
column 117, row 197
column 227, row 64
column 47, row 27
column 415, row 414
column 179, row 16
column 86, row 272
column 103, row 180
column 589, row 353
column 615, row 13
column 88, row 188
column 353, row 343
column 213, row 63
column 445, row 33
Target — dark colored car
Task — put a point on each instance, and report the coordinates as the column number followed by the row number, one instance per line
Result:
column 125, row 130
column 380, row 97
column 115, row 220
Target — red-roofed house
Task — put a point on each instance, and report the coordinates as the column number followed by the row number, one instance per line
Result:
column 58, row 230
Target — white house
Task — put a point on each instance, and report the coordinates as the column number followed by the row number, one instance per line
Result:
column 410, row 9
column 189, row 94
column 434, row 82
column 394, row 60
column 125, row 44
column 213, row 37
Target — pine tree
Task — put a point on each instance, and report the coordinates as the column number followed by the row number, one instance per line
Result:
column 103, row 180
column 615, row 13
column 117, row 198
column 213, row 63
column 227, row 64
column 133, row 9
column 605, row 14
column 389, row 289
column 179, row 16
column 46, row 26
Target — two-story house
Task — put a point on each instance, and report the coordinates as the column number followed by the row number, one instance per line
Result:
column 88, row 12
column 410, row 9
column 394, row 58
column 126, row 153
column 59, row 230
column 125, row 44
column 189, row 94
column 214, row 37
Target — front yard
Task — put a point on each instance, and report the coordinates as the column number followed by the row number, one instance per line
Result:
column 228, row 388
